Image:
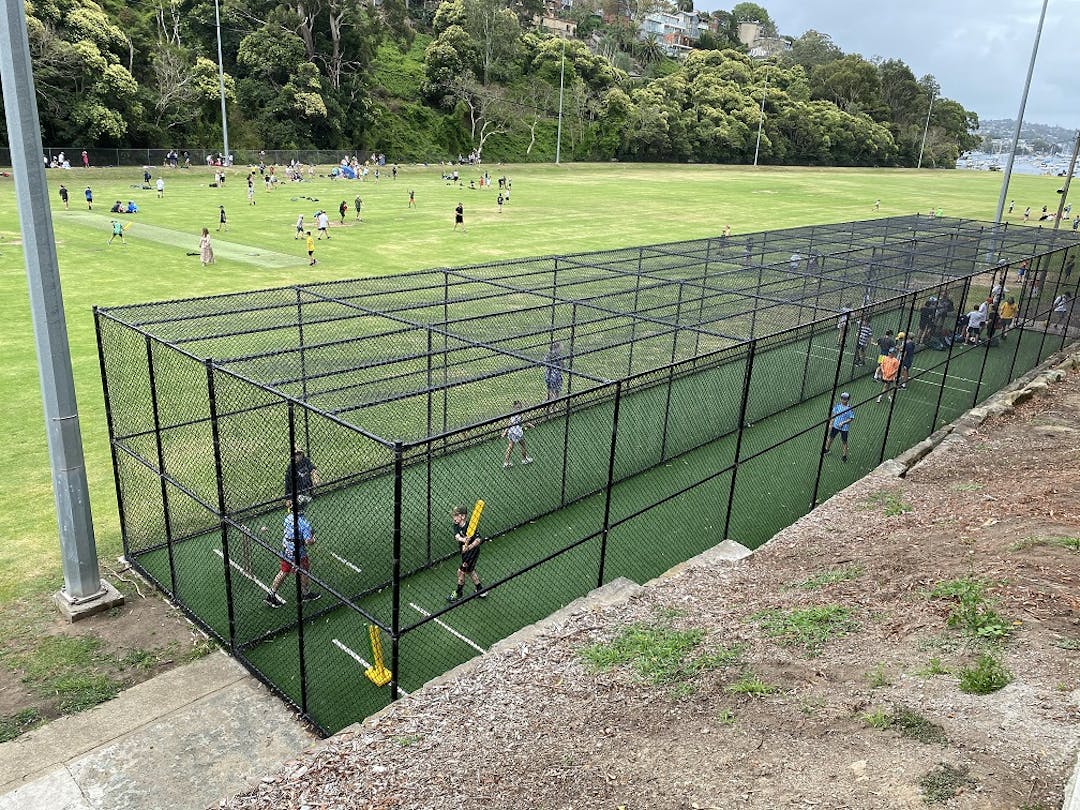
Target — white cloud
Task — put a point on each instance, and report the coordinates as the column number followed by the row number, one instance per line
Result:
column 977, row 50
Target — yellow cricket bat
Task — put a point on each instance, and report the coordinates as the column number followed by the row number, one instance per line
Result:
column 127, row 225
column 475, row 519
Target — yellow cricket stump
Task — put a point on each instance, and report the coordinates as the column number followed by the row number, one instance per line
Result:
column 377, row 674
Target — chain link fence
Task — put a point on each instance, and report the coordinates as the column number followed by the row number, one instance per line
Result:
column 617, row 412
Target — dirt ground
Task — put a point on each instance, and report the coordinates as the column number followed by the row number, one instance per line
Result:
column 50, row 667
column 874, row 718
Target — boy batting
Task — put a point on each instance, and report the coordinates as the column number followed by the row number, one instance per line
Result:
column 469, row 544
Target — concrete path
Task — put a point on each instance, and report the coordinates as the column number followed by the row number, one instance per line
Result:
column 185, row 739
column 223, row 249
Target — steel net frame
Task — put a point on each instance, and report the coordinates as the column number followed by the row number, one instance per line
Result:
column 386, row 381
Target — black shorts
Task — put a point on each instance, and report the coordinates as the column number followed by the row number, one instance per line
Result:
column 841, row 432
column 468, row 560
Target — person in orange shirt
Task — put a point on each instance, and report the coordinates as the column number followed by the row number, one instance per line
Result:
column 890, row 370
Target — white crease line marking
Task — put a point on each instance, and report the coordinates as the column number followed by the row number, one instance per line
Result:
column 243, row 573
column 448, row 628
column 361, row 662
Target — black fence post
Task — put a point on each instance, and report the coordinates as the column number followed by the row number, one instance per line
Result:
column 219, row 475
column 633, row 320
column 445, row 354
column 610, row 483
column 828, row 421
column 554, row 298
column 298, row 543
column 1041, row 274
column 429, row 443
column 806, row 364
column 1018, row 326
column 1067, row 319
column 895, row 394
column 951, row 333
column 395, row 603
column 671, row 376
column 303, row 368
column 748, row 371
column 701, row 301
column 112, row 433
column 569, row 391
column 159, row 447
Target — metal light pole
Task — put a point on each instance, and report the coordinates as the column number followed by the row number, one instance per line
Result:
column 761, row 116
column 221, row 86
column 926, row 129
column 84, row 592
column 1020, row 117
column 1068, row 179
column 558, row 133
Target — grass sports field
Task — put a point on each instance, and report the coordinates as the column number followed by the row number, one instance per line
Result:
column 553, row 209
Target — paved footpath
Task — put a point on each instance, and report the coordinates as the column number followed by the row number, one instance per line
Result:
column 184, row 739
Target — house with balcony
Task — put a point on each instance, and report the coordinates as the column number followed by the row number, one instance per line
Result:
column 676, row 31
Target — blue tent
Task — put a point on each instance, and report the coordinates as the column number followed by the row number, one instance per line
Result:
column 348, row 173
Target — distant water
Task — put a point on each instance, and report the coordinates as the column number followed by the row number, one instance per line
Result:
column 1023, row 164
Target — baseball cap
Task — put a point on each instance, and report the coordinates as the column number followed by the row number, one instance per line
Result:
column 845, row 395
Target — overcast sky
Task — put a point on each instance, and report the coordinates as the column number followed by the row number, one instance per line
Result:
column 978, row 50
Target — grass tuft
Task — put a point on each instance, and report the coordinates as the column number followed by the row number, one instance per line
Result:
column 11, row 727
column 944, row 783
column 810, row 628
column 988, row 675
column 934, row 667
column 660, row 654
column 974, row 612
column 750, row 684
column 890, row 502
column 830, row 577
column 878, row 677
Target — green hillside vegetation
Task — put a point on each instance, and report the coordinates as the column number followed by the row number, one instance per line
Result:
column 427, row 81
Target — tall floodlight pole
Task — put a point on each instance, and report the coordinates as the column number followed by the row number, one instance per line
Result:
column 926, row 129
column 558, row 132
column 83, row 587
column 1020, row 118
column 1068, row 179
column 761, row 115
column 221, row 86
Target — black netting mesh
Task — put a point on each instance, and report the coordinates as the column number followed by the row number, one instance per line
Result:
column 616, row 411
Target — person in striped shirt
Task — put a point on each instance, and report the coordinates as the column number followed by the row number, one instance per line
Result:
column 862, row 340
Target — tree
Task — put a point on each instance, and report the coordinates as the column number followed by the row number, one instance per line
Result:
column 185, row 88
column 85, row 93
column 812, row 49
column 650, row 51
column 492, row 29
column 752, row 12
column 851, row 83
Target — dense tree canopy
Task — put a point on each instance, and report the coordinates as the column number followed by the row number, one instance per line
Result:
column 422, row 79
